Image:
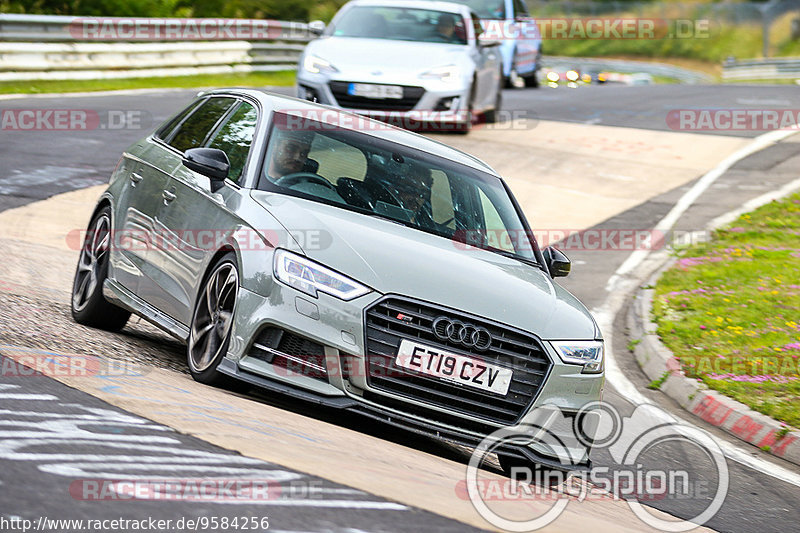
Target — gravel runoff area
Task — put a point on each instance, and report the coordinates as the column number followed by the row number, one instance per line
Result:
column 40, row 319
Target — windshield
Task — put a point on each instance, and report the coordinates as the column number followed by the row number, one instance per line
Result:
column 486, row 9
column 382, row 179
column 401, row 24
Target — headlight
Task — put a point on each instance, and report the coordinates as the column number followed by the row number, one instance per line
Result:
column 309, row 277
column 447, row 74
column 316, row 65
column 586, row 353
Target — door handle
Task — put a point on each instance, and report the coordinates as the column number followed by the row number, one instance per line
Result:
column 136, row 178
column 168, row 196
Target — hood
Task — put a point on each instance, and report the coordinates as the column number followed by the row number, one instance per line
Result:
column 359, row 59
column 392, row 258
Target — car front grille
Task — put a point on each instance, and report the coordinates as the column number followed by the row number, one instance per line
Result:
column 396, row 318
column 411, row 95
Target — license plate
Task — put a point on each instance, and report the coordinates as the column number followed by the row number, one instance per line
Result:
column 370, row 90
column 461, row 369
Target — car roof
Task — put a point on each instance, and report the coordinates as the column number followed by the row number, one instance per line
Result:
column 451, row 7
column 322, row 113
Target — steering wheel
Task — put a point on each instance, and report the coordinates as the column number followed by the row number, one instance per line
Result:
column 290, row 180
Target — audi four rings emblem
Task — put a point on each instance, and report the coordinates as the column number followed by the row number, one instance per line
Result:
column 458, row 332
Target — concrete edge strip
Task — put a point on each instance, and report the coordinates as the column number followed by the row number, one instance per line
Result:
column 657, row 361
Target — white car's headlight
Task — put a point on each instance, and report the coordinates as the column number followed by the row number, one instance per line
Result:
column 447, row 74
column 309, row 277
column 316, row 65
column 586, row 353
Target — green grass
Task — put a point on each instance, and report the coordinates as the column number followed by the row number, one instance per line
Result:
column 729, row 310
column 737, row 41
column 254, row 79
column 711, row 48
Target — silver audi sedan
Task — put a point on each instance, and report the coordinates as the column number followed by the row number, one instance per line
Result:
column 415, row 64
column 343, row 261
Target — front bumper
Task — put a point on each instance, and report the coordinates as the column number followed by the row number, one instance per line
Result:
column 332, row 370
column 424, row 102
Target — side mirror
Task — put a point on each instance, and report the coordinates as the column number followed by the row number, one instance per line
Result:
column 210, row 162
column 316, row 27
column 557, row 263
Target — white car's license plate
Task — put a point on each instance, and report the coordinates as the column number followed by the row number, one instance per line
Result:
column 370, row 90
column 468, row 371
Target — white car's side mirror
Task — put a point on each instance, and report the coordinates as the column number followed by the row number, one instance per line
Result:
column 316, row 27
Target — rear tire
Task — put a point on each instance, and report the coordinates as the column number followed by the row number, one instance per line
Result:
column 532, row 81
column 88, row 305
column 212, row 322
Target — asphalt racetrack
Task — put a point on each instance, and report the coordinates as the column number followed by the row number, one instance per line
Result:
column 600, row 158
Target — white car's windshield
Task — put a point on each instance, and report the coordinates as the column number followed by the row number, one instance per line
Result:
column 402, row 24
column 359, row 172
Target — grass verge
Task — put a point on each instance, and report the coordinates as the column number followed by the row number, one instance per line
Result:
column 253, row 79
column 730, row 310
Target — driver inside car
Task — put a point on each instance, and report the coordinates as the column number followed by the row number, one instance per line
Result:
column 414, row 192
column 291, row 154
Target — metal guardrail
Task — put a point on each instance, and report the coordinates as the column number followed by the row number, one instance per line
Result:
column 52, row 28
column 36, row 47
column 762, row 69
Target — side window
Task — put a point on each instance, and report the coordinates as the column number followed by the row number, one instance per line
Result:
column 497, row 235
column 235, row 136
column 165, row 130
column 441, row 199
column 520, row 9
column 476, row 25
column 194, row 130
column 337, row 159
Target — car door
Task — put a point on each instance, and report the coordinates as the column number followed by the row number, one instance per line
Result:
column 526, row 36
column 137, row 204
column 196, row 218
column 163, row 156
column 487, row 68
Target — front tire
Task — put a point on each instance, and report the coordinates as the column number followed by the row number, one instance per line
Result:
column 89, row 307
column 212, row 322
column 492, row 116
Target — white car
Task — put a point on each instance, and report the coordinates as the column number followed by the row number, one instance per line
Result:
column 416, row 64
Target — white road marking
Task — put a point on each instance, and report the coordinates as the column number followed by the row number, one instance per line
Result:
column 759, row 143
column 108, row 455
column 25, row 396
column 619, row 285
